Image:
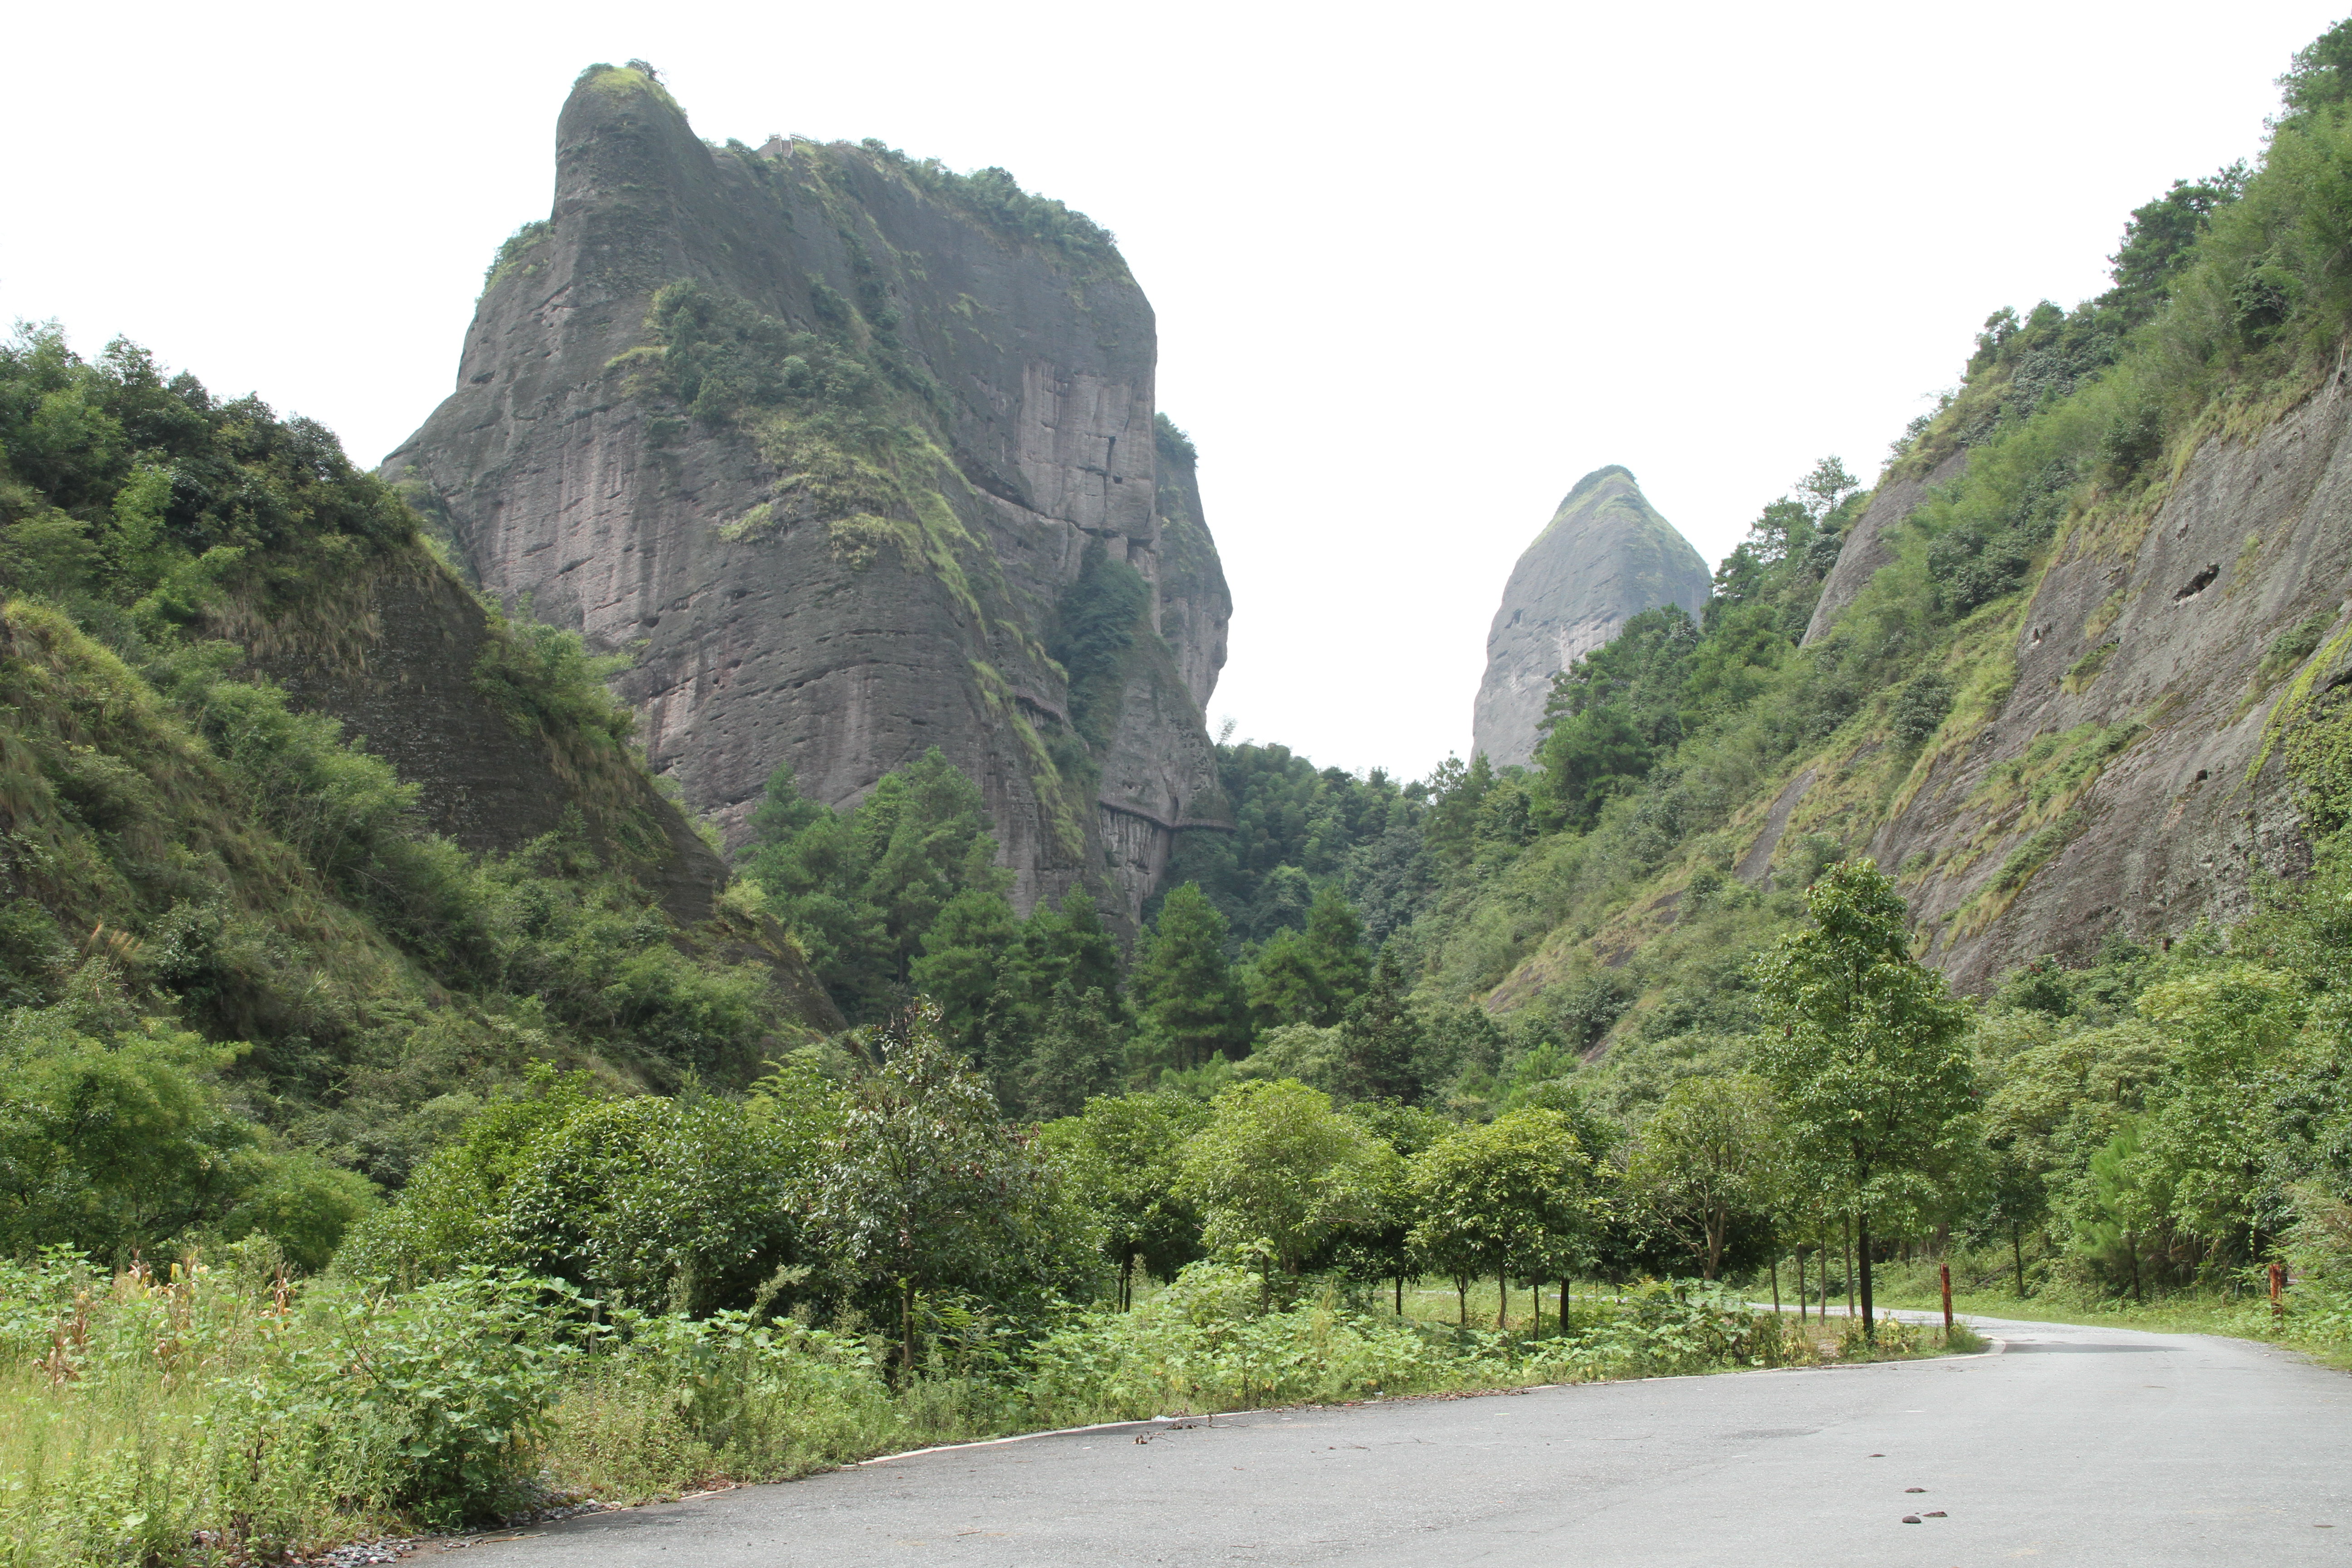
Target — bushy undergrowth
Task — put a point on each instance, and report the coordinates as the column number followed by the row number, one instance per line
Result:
column 219, row 1412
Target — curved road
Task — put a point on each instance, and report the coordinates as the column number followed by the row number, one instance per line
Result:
column 2076, row 1446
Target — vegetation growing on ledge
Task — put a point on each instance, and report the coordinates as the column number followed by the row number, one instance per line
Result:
column 995, row 197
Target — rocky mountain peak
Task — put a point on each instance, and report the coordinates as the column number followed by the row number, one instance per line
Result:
column 1605, row 556
column 830, row 436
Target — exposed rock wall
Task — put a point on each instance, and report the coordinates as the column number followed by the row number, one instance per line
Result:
column 779, row 622
column 1868, row 546
column 1194, row 604
column 2159, row 639
column 1605, row 556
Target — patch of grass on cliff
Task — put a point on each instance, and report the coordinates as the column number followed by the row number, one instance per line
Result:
column 514, row 251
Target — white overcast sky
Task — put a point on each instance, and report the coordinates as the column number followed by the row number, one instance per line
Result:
column 1417, row 269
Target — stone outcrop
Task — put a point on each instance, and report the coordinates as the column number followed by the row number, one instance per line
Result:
column 1869, row 545
column 1605, row 556
column 827, row 579
column 2147, row 652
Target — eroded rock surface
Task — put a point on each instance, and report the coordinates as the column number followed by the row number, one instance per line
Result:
column 2143, row 654
column 1605, row 556
column 789, row 606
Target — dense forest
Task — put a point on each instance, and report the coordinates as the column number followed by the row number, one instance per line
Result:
column 1502, row 1030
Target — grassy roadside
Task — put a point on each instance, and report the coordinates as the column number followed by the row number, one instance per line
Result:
column 229, row 1414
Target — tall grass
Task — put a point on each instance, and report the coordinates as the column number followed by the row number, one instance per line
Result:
column 218, row 1412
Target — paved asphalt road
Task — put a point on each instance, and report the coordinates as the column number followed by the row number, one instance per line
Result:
column 2077, row 1446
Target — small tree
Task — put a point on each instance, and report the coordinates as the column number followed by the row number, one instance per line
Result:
column 1382, row 1248
column 1866, row 1050
column 927, row 1189
column 1512, row 1197
column 1709, row 1155
column 1277, row 1172
column 1123, row 1156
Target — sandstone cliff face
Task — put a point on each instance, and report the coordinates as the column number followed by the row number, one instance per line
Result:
column 1605, row 556
column 2130, row 780
column 836, row 603
column 1194, row 605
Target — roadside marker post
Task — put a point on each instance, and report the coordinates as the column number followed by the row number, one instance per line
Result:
column 1943, row 1272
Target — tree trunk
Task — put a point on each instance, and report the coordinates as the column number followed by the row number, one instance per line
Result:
column 1849, row 1265
column 1462, row 1300
column 1801, row 1284
column 2017, row 1254
column 2131, row 1246
column 1565, row 1320
column 1776, row 1287
column 1861, row 1255
column 1127, row 1282
column 1502, row 1302
column 1716, row 1223
column 907, row 1327
column 1400, row 1295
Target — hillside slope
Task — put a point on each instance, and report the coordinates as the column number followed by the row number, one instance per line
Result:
column 863, row 455
column 2073, row 672
column 273, row 775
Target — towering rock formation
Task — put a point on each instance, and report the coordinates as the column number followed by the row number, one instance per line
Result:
column 859, row 456
column 1605, row 556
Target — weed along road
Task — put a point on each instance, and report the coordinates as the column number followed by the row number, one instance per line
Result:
column 2075, row 1446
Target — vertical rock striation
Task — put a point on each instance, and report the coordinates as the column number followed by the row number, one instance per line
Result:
column 825, row 434
column 1605, row 556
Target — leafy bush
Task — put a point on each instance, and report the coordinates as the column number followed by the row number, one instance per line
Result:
column 223, row 1412
column 647, row 1202
column 1919, row 712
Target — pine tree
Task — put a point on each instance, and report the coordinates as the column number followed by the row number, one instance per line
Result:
column 1379, row 1037
column 1078, row 1054
column 1190, row 1006
column 1335, row 947
column 959, row 963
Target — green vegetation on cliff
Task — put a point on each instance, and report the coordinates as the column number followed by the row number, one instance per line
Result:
column 217, row 913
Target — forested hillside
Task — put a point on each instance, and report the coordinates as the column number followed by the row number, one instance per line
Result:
column 1964, row 885
column 253, row 972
